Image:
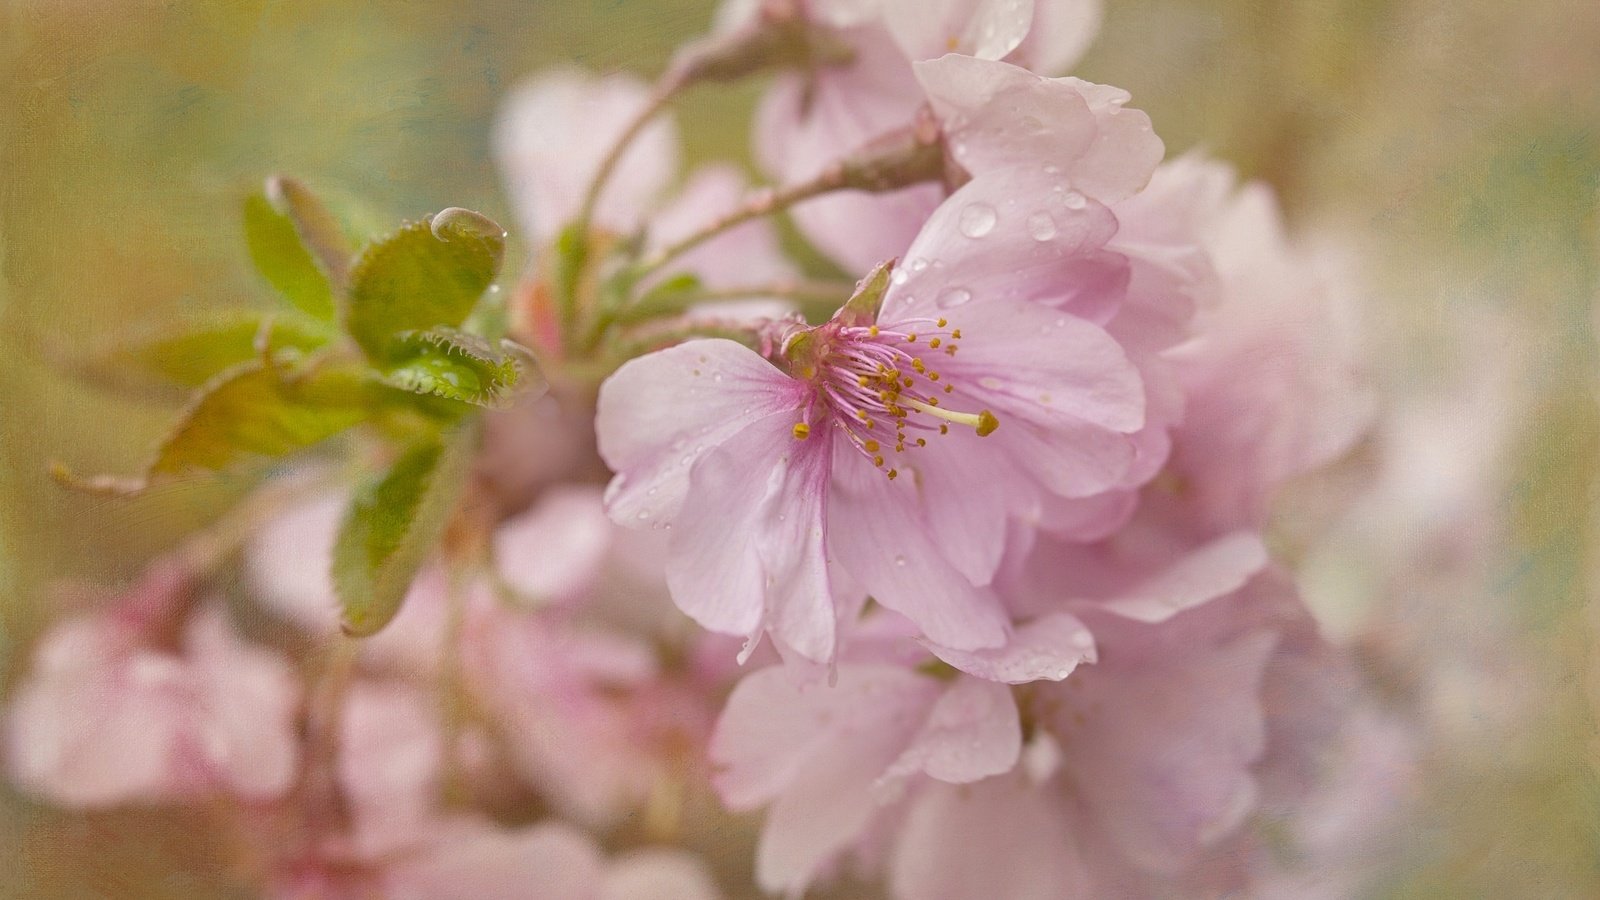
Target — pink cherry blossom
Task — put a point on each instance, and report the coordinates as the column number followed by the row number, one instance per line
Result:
column 984, row 110
column 107, row 718
column 831, row 760
column 767, row 471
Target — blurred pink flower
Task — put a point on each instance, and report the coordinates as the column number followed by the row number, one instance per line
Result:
column 106, row 718
column 548, row 861
column 550, row 139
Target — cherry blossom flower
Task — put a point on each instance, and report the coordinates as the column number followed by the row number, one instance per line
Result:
column 768, row 470
column 107, row 718
column 917, row 67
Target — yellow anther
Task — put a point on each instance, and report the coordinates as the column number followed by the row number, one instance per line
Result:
column 951, row 349
column 872, row 446
column 956, row 334
column 944, row 429
column 922, row 442
column 877, row 461
column 861, row 414
column 907, row 381
column 942, row 323
column 933, row 376
column 933, row 401
column 983, row 422
column 949, row 388
column 911, row 338
column 934, row 343
column 872, row 331
column 893, row 473
column 862, row 380
column 801, row 431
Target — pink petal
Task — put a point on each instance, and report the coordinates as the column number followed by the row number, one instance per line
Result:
column 1026, row 360
column 1163, row 753
column 773, row 723
column 1062, row 30
column 661, row 412
column 289, row 560
column 97, row 723
column 987, row 29
column 1047, row 649
column 972, row 732
column 247, row 713
column 553, row 551
column 390, row 754
column 875, row 533
column 548, row 861
column 658, row 874
column 549, row 141
column 1088, row 519
column 747, row 547
column 1011, row 234
column 1216, row 568
column 829, row 803
column 1002, row 837
column 998, row 116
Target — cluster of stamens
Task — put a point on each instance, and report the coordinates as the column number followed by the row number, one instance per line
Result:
column 880, row 387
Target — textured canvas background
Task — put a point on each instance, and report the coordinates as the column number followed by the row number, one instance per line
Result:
column 1452, row 142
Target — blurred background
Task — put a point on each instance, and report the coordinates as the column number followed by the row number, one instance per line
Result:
column 1446, row 148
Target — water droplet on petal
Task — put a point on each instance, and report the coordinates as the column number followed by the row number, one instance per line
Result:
column 1041, row 226
column 977, row 220
column 952, row 297
column 918, row 264
column 899, row 560
column 1074, row 200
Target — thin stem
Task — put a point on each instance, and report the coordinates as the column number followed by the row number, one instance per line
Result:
column 664, row 91
column 805, row 293
column 764, row 202
column 897, row 160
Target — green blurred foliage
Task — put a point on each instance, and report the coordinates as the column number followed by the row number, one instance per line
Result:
column 1456, row 139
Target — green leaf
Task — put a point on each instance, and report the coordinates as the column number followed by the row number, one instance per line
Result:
column 254, row 410
column 261, row 410
column 391, row 527
column 282, row 258
column 444, row 362
column 423, row 276
column 319, row 231
column 186, row 355
column 862, row 307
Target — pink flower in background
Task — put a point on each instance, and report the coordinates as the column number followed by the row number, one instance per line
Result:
column 767, row 471
column 898, row 81
column 106, row 718
column 550, row 139
column 548, row 861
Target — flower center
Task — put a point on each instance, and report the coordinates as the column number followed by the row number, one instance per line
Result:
column 881, row 388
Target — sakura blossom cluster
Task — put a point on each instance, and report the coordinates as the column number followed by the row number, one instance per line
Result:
column 953, row 566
